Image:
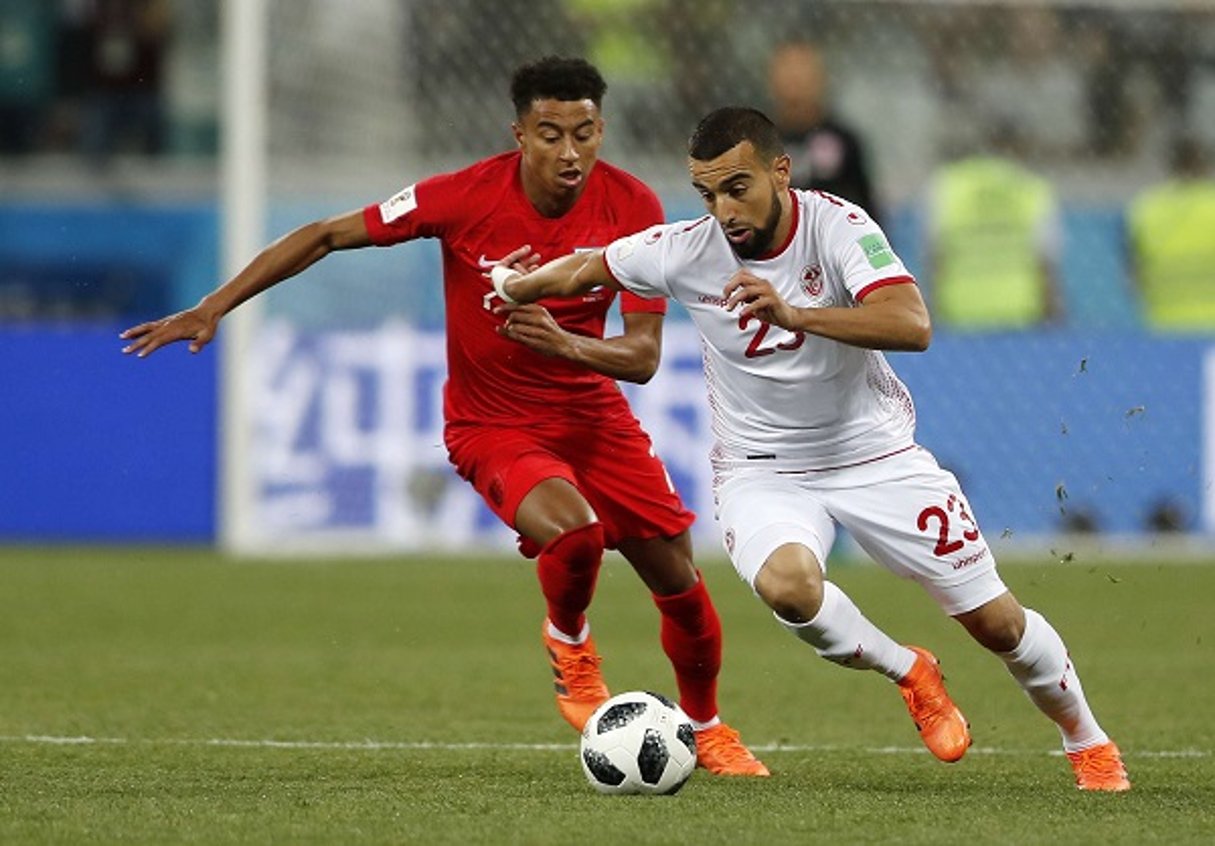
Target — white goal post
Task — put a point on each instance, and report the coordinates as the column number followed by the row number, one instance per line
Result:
column 243, row 155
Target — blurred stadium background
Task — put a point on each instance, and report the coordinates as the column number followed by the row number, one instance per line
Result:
column 1101, row 427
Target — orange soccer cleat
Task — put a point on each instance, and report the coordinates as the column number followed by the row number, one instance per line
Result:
column 720, row 751
column 576, row 679
column 941, row 725
column 1100, row 768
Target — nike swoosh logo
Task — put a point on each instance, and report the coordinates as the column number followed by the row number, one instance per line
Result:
column 484, row 262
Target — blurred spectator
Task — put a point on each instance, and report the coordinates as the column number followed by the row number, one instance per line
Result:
column 1106, row 52
column 27, row 72
column 124, row 102
column 1171, row 234
column 827, row 155
column 702, row 79
column 456, row 53
column 621, row 37
column 994, row 234
column 1168, row 46
column 1028, row 51
column 624, row 39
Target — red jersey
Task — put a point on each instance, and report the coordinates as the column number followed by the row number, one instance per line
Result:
column 479, row 214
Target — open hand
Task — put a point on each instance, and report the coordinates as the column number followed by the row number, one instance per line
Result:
column 189, row 325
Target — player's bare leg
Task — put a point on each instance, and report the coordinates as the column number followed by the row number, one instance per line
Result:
column 1038, row 659
column 816, row 611
column 691, row 638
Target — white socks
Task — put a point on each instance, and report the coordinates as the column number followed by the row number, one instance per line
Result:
column 841, row 634
column 561, row 637
column 1041, row 665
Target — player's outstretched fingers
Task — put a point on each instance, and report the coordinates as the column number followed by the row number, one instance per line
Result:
column 138, row 337
column 519, row 254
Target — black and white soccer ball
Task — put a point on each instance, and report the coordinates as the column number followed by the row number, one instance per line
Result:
column 638, row 742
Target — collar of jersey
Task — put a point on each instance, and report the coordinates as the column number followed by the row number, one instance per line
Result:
column 796, row 213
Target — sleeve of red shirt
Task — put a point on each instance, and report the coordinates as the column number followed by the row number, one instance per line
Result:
column 647, row 212
column 422, row 210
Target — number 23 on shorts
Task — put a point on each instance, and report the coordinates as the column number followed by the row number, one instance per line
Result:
column 951, row 523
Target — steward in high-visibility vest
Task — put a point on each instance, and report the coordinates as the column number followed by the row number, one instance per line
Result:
column 1171, row 230
column 994, row 230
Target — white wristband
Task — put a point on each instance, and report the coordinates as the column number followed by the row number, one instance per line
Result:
column 499, row 275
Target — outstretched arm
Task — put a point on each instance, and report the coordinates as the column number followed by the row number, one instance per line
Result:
column 567, row 276
column 632, row 356
column 289, row 255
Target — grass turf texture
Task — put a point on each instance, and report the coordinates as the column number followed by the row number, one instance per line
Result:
column 410, row 701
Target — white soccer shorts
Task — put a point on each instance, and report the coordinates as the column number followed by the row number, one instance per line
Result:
column 903, row 510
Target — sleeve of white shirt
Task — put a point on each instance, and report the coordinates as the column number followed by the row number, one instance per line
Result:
column 637, row 262
column 862, row 254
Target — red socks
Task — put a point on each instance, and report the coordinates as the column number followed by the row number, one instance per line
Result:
column 568, row 567
column 691, row 638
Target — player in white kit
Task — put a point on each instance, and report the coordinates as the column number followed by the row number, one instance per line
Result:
column 794, row 293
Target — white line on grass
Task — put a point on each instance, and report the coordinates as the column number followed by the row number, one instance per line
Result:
column 390, row 746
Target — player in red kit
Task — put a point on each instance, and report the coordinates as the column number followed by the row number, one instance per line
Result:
column 518, row 404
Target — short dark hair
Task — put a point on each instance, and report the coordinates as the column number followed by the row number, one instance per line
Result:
column 556, row 78
column 725, row 128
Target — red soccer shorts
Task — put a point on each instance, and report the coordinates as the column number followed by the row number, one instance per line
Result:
column 613, row 466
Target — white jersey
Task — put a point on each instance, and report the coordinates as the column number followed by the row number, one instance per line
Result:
column 791, row 401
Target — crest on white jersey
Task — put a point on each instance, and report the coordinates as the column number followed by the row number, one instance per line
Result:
column 399, row 205
column 812, row 280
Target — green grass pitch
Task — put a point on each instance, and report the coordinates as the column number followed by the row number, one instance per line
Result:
column 174, row 696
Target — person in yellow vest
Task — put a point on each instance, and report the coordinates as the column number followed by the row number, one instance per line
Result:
column 1171, row 235
column 994, row 234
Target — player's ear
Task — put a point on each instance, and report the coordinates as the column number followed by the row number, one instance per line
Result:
column 517, row 130
column 781, row 167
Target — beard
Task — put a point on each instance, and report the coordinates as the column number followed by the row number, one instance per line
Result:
column 761, row 242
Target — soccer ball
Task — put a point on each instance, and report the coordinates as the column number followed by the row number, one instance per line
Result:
column 638, row 742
